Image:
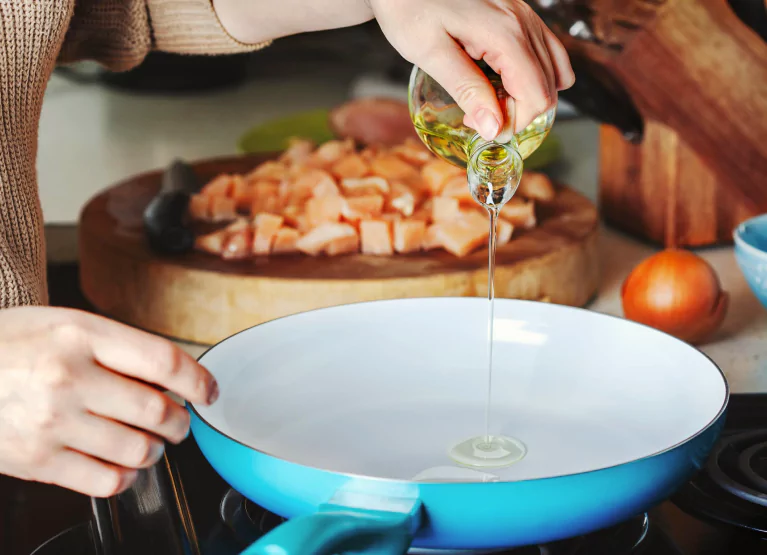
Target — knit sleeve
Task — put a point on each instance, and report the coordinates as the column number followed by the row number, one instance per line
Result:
column 120, row 33
column 31, row 34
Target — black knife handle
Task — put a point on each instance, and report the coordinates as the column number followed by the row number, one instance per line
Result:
column 165, row 218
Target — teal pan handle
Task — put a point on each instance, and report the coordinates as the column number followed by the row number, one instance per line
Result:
column 335, row 531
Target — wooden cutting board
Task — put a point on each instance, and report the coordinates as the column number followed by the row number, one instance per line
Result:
column 200, row 298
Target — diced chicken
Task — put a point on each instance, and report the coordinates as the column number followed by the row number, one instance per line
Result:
column 464, row 235
column 331, row 152
column 265, row 197
column 393, row 168
column 437, row 173
column 365, row 207
column 431, row 238
column 211, row 243
column 402, row 199
column 314, row 242
column 285, row 241
column 536, row 186
column 519, row 213
column 219, row 186
column 321, row 210
column 505, row 229
column 298, row 151
column 199, row 207
column 378, row 184
column 271, row 170
column 239, row 237
column 267, row 225
column 444, row 209
column 408, row 235
column 376, row 237
column 458, row 187
column 352, row 166
column 335, row 200
column 343, row 245
column 222, row 209
column 413, row 152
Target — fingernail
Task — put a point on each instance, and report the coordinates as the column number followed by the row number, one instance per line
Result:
column 157, row 451
column 127, row 479
column 487, row 124
column 213, row 396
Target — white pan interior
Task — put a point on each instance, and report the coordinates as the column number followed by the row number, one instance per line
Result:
column 384, row 389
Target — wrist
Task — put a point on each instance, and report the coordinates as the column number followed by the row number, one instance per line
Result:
column 255, row 21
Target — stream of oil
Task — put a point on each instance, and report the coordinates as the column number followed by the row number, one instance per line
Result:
column 493, row 178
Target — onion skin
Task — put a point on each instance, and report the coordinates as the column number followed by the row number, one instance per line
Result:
column 677, row 292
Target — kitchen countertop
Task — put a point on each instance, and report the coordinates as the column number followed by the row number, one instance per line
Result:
column 114, row 135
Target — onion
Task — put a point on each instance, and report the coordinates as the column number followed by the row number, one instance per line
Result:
column 677, row 292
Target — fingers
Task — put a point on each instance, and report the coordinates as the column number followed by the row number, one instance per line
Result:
column 118, row 398
column 563, row 70
column 86, row 475
column 450, row 66
column 150, row 358
column 112, row 442
column 535, row 35
column 523, row 78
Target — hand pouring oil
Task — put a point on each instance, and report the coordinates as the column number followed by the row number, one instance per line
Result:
column 493, row 169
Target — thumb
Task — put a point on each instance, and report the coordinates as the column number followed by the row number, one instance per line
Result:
column 460, row 76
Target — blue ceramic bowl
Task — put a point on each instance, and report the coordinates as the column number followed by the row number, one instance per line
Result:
column 751, row 254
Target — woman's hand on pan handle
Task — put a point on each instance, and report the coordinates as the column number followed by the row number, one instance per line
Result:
column 76, row 409
column 441, row 37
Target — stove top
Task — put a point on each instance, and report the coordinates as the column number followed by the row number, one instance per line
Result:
column 182, row 507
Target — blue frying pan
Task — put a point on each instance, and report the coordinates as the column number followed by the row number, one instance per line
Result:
column 342, row 420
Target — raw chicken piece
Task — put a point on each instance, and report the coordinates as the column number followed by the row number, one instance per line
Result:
column 505, row 229
column 536, row 186
column 212, row 243
column 437, row 173
column 402, row 199
column 285, row 241
column 219, row 186
column 330, row 152
column 393, row 168
column 445, row 209
column 267, row 226
column 271, row 170
column 458, row 187
column 222, row 209
column 343, row 245
column 365, row 207
column 321, row 210
column 314, row 242
column 376, row 237
column 413, row 152
column 431, row 238
column 465, row 234
column 350, row 166
column 239, row 237
column 519, row 213
column 199, row 207
column 358, row 185
column 408, row 236
column 298, row 151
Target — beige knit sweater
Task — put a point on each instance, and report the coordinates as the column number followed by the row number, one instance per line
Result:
column 34, row 36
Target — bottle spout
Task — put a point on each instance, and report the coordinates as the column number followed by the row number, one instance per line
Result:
column 493, row 171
